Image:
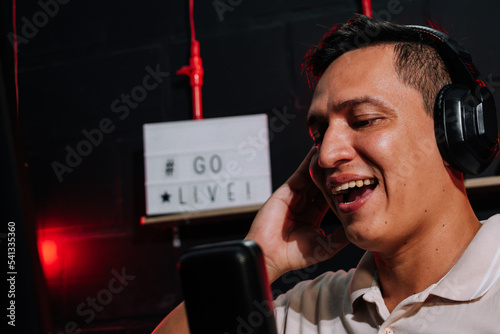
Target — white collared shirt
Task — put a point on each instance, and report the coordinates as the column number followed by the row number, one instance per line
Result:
column 466, row 300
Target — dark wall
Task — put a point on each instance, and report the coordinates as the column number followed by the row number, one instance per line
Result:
column 78, row 60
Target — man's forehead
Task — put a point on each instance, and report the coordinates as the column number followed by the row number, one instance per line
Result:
column 352, row 65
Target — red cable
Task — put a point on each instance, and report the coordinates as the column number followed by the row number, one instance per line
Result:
column 195, row 69
column 191, row 19
column 367, row 8
column 14, row 30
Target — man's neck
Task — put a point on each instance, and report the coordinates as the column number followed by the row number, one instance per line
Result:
column 421, row 262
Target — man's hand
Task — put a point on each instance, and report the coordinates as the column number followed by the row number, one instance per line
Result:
column 287, row 226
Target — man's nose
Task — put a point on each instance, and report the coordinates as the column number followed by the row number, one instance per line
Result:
column 336, row 147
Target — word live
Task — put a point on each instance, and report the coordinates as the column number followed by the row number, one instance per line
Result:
column 198, row 195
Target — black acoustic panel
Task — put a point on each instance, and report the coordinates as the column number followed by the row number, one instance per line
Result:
column 289, row 144
column 250, row 72
column 129, row 153
column 47, row 26
column 60, row 101
column 139, row 22
column 402, row 11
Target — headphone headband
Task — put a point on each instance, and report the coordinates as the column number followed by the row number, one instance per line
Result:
column 457, row 59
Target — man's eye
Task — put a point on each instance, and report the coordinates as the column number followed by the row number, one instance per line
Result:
column 363, row 123
column 360, row 124
column 316, row 136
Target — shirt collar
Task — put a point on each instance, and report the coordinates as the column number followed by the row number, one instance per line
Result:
column 364, row 277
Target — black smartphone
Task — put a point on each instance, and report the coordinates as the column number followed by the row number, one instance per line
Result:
column 226, row 290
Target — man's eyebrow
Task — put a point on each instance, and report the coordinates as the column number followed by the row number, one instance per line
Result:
column 358, row 101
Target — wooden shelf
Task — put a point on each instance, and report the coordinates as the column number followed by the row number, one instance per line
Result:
column 483, row 185
column 188, row 218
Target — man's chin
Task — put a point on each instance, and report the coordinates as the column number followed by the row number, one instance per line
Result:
column 367, row 237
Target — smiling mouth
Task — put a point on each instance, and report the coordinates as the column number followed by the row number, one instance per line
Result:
column 353, row 191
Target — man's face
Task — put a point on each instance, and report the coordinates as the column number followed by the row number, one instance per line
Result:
column 378, row 164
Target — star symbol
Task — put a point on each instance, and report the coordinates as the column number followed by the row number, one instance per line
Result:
column 165, row 197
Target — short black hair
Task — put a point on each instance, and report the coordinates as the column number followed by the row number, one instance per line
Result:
column 417, row 64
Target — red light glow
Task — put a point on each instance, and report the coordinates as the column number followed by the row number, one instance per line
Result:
column 49, row 252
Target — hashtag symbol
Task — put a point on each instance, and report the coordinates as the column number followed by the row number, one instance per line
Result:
column 170, row 167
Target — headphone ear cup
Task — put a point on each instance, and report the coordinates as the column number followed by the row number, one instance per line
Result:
column 456, row 118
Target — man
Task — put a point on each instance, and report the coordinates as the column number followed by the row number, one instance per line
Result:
column 430, row 266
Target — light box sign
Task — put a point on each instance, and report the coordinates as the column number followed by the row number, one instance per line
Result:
column 206, row 164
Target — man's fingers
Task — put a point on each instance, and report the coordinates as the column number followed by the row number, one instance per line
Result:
column 301, row 177
column 304, row 166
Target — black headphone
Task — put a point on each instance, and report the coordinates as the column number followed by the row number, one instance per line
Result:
column 464, row 113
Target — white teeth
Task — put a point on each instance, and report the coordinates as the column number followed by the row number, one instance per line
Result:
column 352, row 184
